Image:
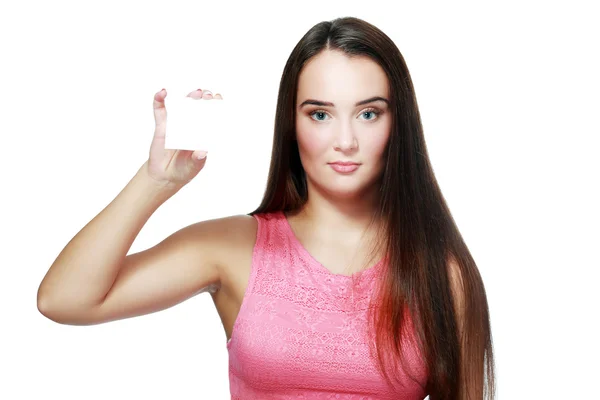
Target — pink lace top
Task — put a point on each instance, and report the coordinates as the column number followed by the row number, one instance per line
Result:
column 301, row 329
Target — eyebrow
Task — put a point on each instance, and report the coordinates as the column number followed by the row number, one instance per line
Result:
column 329, row 104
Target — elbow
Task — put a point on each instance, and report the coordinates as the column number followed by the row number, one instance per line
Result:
column 45, row 308
column 44, row 304
column 67, row 313
column 48, row 308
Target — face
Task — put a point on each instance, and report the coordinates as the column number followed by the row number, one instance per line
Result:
column 342, row 116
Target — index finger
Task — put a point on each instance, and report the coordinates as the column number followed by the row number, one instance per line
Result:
column 160, row 112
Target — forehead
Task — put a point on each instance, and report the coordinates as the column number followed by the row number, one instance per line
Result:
column 336, row 77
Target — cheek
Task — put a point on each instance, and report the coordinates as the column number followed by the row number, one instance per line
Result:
column 311, row 143
column 375, row 145
column 379, row 145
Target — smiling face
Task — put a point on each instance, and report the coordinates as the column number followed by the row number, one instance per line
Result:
column 342, row 115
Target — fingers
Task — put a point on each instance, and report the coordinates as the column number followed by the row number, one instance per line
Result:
column 159, row 98
column 199, row 155
column 204, row 94
column 160, row 112
column 196, row 94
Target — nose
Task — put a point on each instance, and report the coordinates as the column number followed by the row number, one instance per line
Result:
column 345, row 139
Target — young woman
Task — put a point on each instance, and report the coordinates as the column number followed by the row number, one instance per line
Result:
column 351, row 279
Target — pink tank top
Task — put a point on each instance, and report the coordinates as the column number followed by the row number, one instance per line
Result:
column 301, row 329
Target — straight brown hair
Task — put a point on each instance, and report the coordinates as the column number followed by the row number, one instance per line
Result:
column 420, row 236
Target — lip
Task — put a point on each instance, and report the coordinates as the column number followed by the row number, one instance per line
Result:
column 344, row 166
column 344, row 163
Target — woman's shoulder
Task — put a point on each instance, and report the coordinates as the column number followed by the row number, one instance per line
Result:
column 233, row 229
column 235, row 238
column 233, row 234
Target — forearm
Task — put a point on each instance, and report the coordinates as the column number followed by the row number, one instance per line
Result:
column 86, row 268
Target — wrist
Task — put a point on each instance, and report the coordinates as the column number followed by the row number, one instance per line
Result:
column 154, row 188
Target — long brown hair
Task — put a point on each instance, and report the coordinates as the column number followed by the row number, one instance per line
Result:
column 419, row 233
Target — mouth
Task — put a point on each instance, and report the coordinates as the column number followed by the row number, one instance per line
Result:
column 344, row 163
column 344, row 166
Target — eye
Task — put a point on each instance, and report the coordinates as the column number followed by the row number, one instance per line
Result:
column 370, row 114
column 319, row 113
column 374, row 113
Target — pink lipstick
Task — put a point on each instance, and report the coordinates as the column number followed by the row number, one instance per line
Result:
column 344, row 167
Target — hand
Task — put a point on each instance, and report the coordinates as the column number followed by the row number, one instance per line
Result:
column 173, row 167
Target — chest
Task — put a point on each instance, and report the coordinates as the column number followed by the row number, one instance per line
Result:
column 296, row 328
column 293, row 335
column 334, row 269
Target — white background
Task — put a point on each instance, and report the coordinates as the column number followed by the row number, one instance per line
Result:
column 509, row 96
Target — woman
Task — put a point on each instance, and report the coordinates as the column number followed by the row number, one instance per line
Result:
column 351, row 278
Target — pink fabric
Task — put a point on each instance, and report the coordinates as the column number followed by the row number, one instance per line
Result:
column 301, row 330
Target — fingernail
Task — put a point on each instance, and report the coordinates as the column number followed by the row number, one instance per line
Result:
column 201, row 155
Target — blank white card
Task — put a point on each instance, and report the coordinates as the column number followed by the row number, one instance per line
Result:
column 195, row 124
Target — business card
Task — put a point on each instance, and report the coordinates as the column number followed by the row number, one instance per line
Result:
column 196, row 124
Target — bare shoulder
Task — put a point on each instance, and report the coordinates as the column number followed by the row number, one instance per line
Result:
column 222, row 244
column 232, row 240
column 218, row 236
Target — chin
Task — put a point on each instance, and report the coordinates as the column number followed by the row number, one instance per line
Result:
column 345, row 189
column 343, row 186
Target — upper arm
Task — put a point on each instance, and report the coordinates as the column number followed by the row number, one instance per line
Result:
column 184, row 264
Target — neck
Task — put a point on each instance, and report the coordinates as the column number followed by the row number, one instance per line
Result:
column 348, row 216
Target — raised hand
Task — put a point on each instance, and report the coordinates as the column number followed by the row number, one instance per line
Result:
column 172, row 167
